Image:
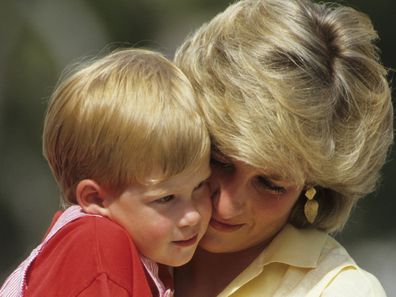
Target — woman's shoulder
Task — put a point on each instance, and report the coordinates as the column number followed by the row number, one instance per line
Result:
column 342, row 276
column 354, row 281
column 323, row 267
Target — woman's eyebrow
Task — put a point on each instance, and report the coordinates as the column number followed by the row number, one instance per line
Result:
column 272, row 176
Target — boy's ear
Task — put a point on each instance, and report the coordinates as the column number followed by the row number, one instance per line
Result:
column 92, row 197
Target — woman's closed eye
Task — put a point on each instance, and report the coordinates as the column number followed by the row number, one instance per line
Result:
column 201, row 185
column 262, row 182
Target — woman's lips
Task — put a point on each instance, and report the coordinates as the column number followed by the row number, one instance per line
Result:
column 223, row 226
column 187, row 242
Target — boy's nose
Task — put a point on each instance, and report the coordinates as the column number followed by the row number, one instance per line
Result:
column 190, row 218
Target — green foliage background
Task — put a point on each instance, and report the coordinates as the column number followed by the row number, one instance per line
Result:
column 38, row 38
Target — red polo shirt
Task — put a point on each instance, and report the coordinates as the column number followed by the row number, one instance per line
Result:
column 91, row 256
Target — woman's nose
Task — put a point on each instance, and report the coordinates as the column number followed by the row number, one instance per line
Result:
column 228, row 199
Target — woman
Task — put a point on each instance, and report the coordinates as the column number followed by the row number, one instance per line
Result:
column 300, row 115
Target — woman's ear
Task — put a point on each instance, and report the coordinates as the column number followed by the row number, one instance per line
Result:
column 92, row 197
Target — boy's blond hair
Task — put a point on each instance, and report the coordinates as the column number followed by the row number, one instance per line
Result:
column 297, row 88
column 118, row 119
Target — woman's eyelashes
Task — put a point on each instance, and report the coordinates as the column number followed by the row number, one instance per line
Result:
column 201, row 185
column 262, row 182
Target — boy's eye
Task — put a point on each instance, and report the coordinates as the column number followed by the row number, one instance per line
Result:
column 165, row 199
column 264, row 182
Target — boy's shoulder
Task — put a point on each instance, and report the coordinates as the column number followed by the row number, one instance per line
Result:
column 98, row 233
column 82, row 251
column 97, row 224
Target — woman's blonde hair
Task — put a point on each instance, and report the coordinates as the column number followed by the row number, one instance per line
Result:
column 121, row 117
column 296, row 87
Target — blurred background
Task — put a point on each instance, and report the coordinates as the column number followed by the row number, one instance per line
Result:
column 38, row 38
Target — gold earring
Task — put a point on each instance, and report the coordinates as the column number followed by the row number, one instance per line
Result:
column 311, row 205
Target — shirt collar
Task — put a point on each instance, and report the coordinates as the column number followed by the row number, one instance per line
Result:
column 295, row 247
column 291, row 246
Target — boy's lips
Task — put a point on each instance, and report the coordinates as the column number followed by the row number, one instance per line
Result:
column 187, row 242
column 224, row 227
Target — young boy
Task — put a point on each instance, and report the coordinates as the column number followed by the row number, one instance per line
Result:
column 130, row 153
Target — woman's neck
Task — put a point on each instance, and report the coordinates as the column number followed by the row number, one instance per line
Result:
column 208, row 274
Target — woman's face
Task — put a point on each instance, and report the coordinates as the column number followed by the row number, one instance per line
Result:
column 250, row 206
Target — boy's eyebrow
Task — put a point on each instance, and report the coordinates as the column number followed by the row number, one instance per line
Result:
column 156, row 193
